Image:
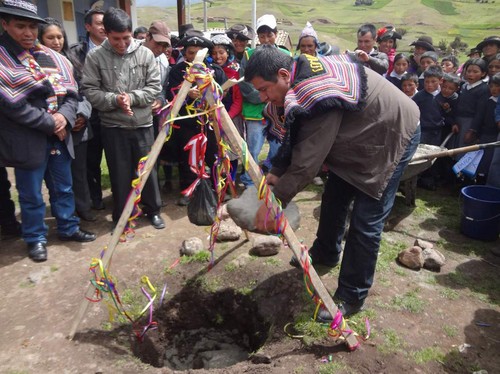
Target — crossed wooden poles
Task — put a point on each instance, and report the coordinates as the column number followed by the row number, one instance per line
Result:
column 236, row 143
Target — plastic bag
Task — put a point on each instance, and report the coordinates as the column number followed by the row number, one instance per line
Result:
column 202, row 208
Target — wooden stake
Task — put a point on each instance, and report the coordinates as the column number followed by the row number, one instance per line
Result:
column 236, row 141
column 127, row 210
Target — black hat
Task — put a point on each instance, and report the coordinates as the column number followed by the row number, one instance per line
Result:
column 387, row 32
column 240, row 31
column 489, row 40
column 184, row 28
column 195, row 38
column 424, row 42
column 474, row 51
column 22, row 9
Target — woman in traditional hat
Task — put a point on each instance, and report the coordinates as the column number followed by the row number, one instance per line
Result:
column 387, row 43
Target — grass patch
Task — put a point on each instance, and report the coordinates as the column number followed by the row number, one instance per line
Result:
column 230, row 267
column 54, row 268
column 450, row 331
column 387, row 254
column 276, row 262
column 392, row 342
column 334, row 368
column 427, row 354
column 211, row 285
column 409, row 302
column 443, row 7
column 449, row 294
column 202, row 256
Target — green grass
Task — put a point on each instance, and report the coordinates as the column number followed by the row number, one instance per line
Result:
column 393, row 343
column 428, row 354
column 443, row 7
column 276, row 262
column 201, row 257
column 450, row 331
column 410, row 301
column 335, row 367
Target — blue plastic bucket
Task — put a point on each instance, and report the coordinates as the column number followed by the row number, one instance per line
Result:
column 480, row 212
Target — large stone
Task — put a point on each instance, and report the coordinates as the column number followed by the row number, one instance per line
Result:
column 228, row 231
column 423, row 244
column 412, row 258
column 191, row 246
column 265, row 245
column 244, row 209
column 433, row 259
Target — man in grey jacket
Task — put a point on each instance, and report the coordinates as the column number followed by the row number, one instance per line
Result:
column 121, row 80
column 364, row 129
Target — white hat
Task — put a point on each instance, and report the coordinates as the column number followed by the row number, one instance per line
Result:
column 266, row 20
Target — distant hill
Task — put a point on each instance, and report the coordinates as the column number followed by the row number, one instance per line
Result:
column 336, row 21
column 164, row 3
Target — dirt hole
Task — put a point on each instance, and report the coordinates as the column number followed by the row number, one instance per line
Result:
column 202, row 330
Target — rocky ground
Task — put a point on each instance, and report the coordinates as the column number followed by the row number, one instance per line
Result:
column 248, row 312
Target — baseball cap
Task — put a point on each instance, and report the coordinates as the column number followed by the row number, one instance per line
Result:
column 267, row 20
column 160, row 32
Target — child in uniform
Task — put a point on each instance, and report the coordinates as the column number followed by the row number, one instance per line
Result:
column 409, row 84
column 401, row 63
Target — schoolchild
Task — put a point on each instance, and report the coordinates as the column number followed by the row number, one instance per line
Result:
column 493, row 174
column 431, row 120
column 473, row 94
column 409, row 84
column 449, row 64
column 401, row 63
column 486, row 129
column 427, row 59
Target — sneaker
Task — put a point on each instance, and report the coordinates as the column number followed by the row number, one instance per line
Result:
column 347, row 310
column 317, row 181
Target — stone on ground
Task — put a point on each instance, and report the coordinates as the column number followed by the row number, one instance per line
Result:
column 191, row 246
column 265, row 245
column 228, row 231
column 433, row 259
column 244, row 209
column 412, row 257
column 423, row 244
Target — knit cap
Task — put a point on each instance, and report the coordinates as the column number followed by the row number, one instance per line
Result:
column 309, row 31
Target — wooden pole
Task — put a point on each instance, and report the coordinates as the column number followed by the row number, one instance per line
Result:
column 236, row 142
column 127, row 210
column 456, row 151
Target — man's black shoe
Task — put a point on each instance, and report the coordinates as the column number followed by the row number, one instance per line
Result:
column 80, row 236
column 37, row 251
column 156, row 221
column 347, row 310
column 12, row 230
column 98, row 205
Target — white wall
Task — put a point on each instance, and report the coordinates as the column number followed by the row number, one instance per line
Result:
column 55, row 8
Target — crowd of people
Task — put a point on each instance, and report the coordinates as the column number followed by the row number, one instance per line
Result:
column 62, row 107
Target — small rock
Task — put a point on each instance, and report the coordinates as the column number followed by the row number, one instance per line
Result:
column 37, row 275
column 191, row 246
column 260, row 358
column 228, row 231
column 433, row 259
column 244, row 209
column 412, row 257
column 423, row 244
column 241, row 260
column 265, row 245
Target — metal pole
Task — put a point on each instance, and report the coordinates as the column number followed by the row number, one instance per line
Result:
column 254, row 19
column 181, row 13
column 204, row 15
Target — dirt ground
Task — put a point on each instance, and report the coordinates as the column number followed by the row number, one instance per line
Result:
column 456, row 323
